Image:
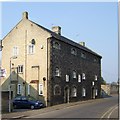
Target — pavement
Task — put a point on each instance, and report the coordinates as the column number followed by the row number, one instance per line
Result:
column 17, row 114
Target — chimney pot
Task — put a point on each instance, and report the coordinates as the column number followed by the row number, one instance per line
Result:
column 25, row 15
column 82, row 43
column 56, row 29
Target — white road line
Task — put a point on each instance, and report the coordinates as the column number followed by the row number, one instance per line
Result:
column 112, row 111
column 108, row 111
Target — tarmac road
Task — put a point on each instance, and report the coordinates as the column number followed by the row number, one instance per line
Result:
column 106, row 108
column 99, row 108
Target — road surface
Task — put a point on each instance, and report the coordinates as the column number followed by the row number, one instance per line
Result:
column 100, row 108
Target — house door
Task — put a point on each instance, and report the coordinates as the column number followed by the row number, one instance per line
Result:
column 93, row 93
column 66, row 95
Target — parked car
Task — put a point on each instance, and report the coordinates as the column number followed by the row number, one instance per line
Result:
column 27, row 102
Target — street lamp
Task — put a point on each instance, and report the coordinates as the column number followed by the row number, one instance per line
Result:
column 14, row 57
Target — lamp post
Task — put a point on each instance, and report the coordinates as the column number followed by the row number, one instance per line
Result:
column 14, row 57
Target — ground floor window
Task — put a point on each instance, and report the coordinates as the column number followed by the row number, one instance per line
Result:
column 96, row 92
column 74, row 92
column 83, row 92
column 57, row 90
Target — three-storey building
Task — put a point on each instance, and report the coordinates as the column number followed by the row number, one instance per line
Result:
column 45, row 65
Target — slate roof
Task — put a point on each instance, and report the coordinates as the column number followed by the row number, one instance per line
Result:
column 64, row 39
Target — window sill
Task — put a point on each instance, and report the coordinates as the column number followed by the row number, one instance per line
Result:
column 20, row 72
column 74, row 96
column 57, row 76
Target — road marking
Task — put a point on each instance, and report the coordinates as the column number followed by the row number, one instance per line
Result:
column 107, row 111
column 112, row 111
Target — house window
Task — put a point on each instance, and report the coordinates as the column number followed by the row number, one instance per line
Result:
column 95, row 60
column 15, row 51
column 96, row 92
column 40, row 89
column 74, row 92
column 56, row 45
column 57, row 90
column 31, row 49
column 83, row 92
column 57, row 71
column 74, row 74
column 73, row 51
column 96, row 77
column 67, row 78
column 28, row 89
column 79, row 78
column 19, row 88
column 83, row 76
column 93, row 83
column 83, row 55
column 20, row 68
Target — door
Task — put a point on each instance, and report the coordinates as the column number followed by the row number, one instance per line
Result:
column 93, row 93
column 66, row 95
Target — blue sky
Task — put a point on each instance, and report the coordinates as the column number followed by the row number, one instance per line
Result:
column 95, row 23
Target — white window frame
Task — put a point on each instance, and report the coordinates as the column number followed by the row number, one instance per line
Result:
column 56, row 45
column 40, row 89
column 67, row 78
column 57, row 72
column 20, row 68
column 83, row 92
column 74, row 74
column 96, row 78
column 15, row 51
column 74, row 92
column 31, row 49
column 79, row 78
column 93, row 83
column 73, row 51
column 83, row 55
column 83, row 76
column 96, row 92
column 19, row 89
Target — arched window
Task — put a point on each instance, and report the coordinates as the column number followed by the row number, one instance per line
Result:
column 83, row 76
column 57, row 71
column 83, row 92
column 74, row 91
column 73, row 51
column 56, row 45
column 96, row 77
column 96, row 92
column 31, row 49
column 74, row 74
column 57, row 90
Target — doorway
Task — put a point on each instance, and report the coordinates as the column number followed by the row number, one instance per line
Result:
column 66, row 94
column 93, row 93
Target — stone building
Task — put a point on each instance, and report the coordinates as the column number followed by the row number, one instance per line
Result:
column 47, row 66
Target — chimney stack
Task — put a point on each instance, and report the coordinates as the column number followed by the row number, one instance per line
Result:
column 56, row 29
column 82, row 43
column 25, row 15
